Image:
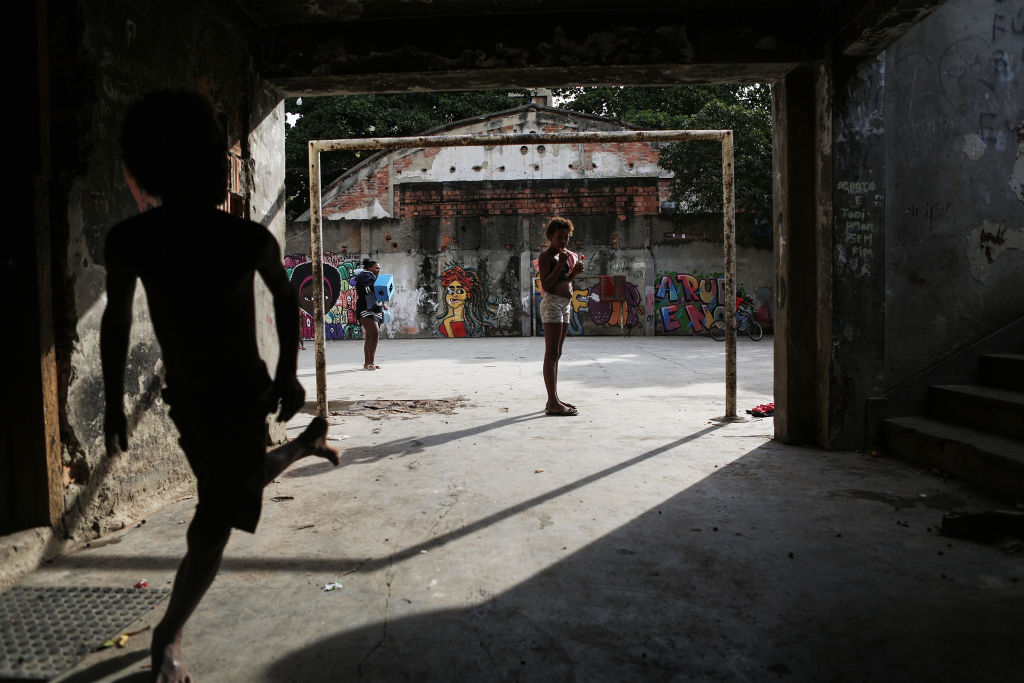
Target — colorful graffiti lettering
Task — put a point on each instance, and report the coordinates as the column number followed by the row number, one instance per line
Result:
column 683, row 297
column 469, row 310
column 686, row 303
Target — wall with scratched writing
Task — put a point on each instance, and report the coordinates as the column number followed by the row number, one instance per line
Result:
column 954, row 205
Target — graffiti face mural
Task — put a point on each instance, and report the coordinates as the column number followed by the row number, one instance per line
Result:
column 455, row 296
column 302, row 281
column 339, row 301
column 468, row 307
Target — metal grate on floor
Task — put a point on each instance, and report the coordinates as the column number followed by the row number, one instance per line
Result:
column 45, row 631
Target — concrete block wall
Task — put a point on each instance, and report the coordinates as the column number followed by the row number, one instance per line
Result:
column 635, row 197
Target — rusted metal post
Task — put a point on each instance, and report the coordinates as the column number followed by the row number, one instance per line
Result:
column 729, row 242
column 316, row 241
column 519, row 139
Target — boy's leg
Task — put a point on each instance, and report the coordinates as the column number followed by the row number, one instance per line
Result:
column 552, row 348
column 370, row 335
column 561, row 342
column 207, row 537
column 206, row 540
column 312, row 441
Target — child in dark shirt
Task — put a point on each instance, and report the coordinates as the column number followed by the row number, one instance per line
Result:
column 225, row 442
column 370, row 312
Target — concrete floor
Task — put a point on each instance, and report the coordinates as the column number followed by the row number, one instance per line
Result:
column 640, row 540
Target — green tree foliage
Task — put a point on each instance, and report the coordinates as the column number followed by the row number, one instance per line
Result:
column 362, row 116
column 745, row 109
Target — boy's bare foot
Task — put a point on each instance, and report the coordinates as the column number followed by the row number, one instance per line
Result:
column 314, row 440
column 167, row 664
column 560, row 411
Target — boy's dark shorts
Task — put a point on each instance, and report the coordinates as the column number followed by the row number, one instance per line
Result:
column 226, row 446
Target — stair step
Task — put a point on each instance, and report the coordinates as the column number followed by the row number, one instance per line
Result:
column 988, row 409
column 1004, row 370
column 993, row 463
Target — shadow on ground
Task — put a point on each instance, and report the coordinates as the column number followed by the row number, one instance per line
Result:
column 748, row 575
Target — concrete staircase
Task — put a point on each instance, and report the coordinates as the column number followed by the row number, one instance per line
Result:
column 972, row 431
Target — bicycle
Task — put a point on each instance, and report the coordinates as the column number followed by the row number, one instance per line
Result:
column 745, row 323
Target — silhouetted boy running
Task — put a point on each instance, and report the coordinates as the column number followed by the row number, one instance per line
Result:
column 219, row 393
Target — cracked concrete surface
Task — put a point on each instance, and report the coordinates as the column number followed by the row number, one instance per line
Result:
column 637, row 541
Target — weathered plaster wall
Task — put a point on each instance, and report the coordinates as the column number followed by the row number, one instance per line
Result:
column 266, row 192
column 672, row 285
column 373, row 188
column 954, row 165
column 126, row 50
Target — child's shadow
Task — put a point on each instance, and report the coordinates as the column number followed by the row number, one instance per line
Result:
column 111, row 667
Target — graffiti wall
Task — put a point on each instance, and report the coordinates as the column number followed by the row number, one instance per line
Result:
column 467, row 307
column 471, row 279
column 685, row 303
column 689, row 303
column 481, row 300
column 592, row 314
column 340, row 321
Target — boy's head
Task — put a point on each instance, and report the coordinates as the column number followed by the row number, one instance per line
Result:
column 173, row 146
column 558, row 223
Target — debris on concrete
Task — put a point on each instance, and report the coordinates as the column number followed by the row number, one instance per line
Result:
column 141, row 583
column 122, row 639
column 333, row 586
column 337, row 437
column 374, row 409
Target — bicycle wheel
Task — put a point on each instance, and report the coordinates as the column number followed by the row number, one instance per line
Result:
column 717, row 330
column 754, row 330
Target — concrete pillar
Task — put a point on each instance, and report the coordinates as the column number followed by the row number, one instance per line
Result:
column 857, row 343
column 797, row 263
column 266, row 199
column 824, row 219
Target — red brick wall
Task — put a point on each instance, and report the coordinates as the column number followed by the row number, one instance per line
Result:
column 375, row 185
column 637, row 197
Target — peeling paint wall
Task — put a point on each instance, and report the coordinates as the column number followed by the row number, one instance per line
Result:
column 383, row 185
column 125, row 51
column 954, row 207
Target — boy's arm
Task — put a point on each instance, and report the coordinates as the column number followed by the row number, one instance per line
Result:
column 548, row 272
column 286, row 387
column 114, row 331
